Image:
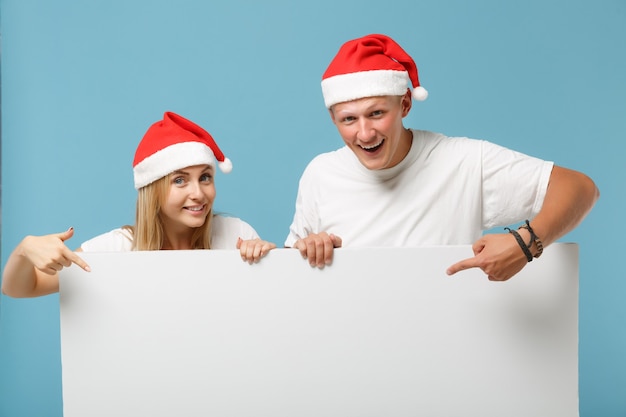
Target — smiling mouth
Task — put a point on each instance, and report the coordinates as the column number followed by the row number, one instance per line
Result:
column 373, row 148
column 195, row 208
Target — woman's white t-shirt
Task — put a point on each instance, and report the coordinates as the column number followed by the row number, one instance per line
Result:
column 224, row 234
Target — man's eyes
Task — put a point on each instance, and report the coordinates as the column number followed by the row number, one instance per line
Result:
column 375, row 113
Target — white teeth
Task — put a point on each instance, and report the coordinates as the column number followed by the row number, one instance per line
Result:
column 195, row 208
column 367, row 148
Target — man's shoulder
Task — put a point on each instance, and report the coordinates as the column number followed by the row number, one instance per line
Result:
column 431, row 136
column 328, row 160
column 332, row 155
column 434, row 139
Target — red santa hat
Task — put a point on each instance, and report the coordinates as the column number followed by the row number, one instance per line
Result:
column 374, row 65
column 174, row 143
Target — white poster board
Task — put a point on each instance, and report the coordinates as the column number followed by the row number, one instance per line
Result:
column 381, row 332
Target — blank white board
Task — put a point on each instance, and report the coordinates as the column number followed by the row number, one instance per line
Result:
column 381, row 332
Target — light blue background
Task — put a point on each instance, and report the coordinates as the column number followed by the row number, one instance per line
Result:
column 82, row 81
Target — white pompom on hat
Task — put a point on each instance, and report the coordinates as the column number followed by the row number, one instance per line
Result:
column 371, row 66
column 174, row 143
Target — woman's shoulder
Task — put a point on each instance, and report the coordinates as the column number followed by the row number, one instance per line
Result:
column 223, row 220
column 117, row 240
column 225, row 230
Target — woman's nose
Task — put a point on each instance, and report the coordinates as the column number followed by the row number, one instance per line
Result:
column 195, row 190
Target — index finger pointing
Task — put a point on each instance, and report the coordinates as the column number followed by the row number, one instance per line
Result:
column 79, row 261
column 461, row 266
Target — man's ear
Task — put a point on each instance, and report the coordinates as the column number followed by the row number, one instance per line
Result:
column 407, row 103
column 332, row 115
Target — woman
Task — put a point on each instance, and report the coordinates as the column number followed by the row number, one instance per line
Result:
column 173, row 169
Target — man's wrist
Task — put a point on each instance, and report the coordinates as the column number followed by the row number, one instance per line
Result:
column 534, row 243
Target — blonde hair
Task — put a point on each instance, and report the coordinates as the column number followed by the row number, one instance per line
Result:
column 148, row 231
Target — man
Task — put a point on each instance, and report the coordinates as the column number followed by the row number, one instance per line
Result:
column 393, row 186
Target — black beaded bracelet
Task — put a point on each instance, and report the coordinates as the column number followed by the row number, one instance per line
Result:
column 520, row 241
column 533, row 238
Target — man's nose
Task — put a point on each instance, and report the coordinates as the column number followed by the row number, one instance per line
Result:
column 365, row 130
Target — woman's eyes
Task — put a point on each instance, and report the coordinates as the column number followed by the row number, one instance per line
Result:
column 204, row 178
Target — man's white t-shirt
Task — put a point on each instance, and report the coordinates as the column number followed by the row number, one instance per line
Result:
column 446, row 191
